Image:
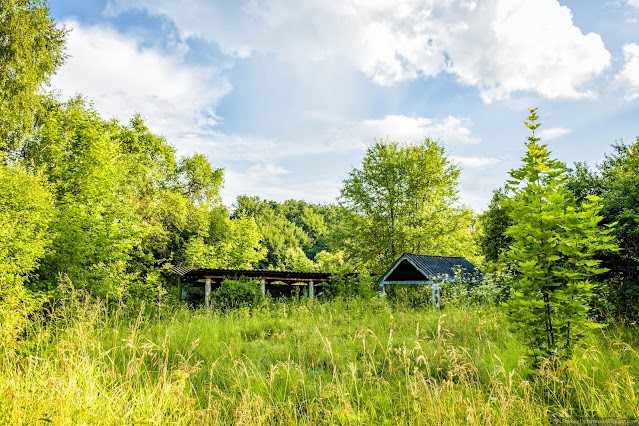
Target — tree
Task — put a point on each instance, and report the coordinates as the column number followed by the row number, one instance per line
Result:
column 403, row 199
column 494, row 222
column 293, row 232
column 616, row 179
column 26, row 209
column 201, row 181
column 96, row 227
column 225, row 243
column 31, row 50
column 554, row 247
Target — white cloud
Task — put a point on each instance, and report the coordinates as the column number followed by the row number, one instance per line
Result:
column 474, row 162
column 401, row 128
column 632, row 3
column 499, row 46
column 628, row 77
column 121, row 78
column 239, row 182
column 553, row 133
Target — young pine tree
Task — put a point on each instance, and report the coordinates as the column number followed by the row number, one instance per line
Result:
column 554, row 245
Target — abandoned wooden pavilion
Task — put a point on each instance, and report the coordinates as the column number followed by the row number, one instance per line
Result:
column 415, row 269
column 198, row 283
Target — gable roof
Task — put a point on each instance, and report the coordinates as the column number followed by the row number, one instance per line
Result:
column 413, row 268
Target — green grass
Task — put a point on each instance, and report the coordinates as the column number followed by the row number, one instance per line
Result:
column 338, row 362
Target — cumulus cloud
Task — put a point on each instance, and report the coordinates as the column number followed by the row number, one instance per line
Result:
column 628, row 77
column 499, row 46
column 553, row 133
column 121, row 78
column 632, row 3
column 450, row 130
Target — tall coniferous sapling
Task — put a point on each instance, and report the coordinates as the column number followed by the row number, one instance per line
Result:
column 554, row 245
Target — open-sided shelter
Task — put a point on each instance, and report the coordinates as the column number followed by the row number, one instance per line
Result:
column 201, row 281
column 415, row 269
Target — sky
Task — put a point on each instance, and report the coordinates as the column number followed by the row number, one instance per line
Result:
column 287, row 95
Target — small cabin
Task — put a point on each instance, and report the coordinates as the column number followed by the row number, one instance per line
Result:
column 415, row 269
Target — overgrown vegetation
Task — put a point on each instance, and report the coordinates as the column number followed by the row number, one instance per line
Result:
column 348, row 361
column 554, row 247
column 93, row 213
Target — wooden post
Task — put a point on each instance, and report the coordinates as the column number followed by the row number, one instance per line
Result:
column 179, row 288
column 381, row 289
column 207, row 292
column 311, row 292
column 263, row 286
column 435, row 295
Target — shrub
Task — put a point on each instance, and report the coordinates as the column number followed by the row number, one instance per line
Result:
column 237, row 294
column 349, row 286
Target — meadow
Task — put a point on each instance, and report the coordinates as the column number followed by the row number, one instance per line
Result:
column 357, row 361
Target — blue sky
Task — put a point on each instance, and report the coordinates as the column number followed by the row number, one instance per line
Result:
column 285, row 96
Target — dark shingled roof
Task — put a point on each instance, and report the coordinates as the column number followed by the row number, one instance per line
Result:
column 420, row 267
column 267, row 274
column 181, row 270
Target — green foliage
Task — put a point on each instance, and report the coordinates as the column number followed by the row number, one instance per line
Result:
column 236, row 247
column 31, row 50
column 554, row 247
column 342, row 362
column 200, row 181
column 95, row 227
column 125, row 208
column 617, row 181
column 352, row 286
column 293, row 232
column 26, row 209
column 493, row 224
column 233, row 294
column 401, row 200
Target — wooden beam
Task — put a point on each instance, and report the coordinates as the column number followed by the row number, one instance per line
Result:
column 311, row 290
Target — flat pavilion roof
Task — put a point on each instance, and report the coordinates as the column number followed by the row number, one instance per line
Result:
column 260, row 274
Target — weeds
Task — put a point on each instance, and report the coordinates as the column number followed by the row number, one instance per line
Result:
column 338, row 362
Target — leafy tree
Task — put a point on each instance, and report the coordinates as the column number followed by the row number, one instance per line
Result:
column 96, row 227
column 403, row 199
column 237, row 247
column 31, row 50
column 554, row 247
column 493, row 223
column 295, row 260
column 26, row 208
column 290, row 229
column 200, row 181
column 616, row 179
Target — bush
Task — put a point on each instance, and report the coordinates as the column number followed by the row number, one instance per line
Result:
column 349, row 286
column 237, row 294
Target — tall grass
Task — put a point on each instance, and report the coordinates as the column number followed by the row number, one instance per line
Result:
column 308, row 362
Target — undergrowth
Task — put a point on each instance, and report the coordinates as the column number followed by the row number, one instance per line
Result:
column 306, row 362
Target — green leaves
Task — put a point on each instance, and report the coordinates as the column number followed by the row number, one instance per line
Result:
column 402, row 199
column 31, row 50
column 554, row 242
